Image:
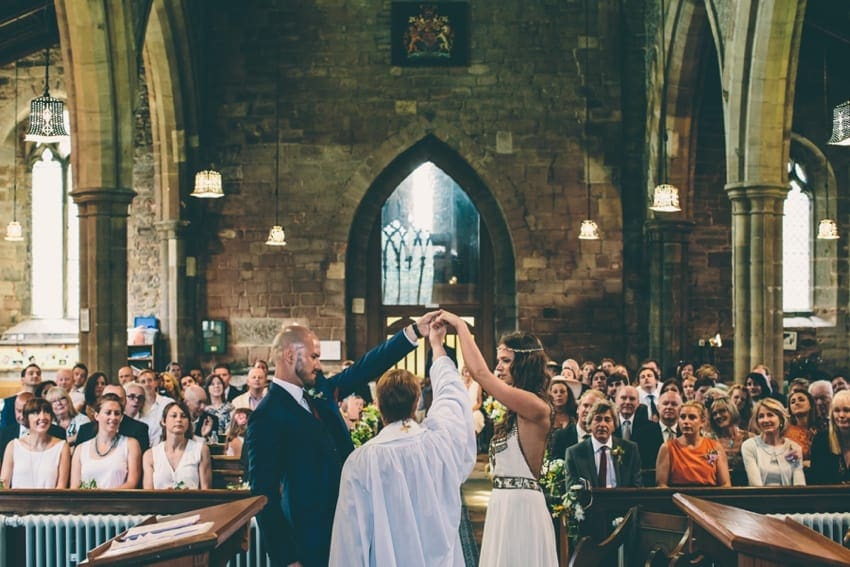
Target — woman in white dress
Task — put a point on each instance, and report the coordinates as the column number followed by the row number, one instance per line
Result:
column 179, row 460
column 65, row 415
column 37, row 460
column 518, row 528
column 109, row 460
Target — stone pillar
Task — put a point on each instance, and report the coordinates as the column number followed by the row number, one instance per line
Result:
column 668, row 289
column 175, row 322
column 757, row 212
column 103, row 276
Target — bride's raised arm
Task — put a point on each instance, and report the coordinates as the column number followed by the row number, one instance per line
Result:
column 524, row 403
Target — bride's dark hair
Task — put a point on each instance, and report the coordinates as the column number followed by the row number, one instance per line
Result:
column 528, row 371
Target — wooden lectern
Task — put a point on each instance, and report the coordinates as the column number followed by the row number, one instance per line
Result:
column 732, row 536
column 225, row 535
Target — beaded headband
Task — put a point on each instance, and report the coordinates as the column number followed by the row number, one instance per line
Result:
column 522, row 350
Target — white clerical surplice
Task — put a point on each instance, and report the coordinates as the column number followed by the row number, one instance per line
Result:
column 399, row 499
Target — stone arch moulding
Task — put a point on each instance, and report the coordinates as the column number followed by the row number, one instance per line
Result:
column 503, row 232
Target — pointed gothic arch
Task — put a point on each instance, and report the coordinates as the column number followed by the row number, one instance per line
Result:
column 498, row 299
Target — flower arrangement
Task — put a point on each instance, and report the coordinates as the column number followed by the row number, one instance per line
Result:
column 180, row 486
column 88, row 484
column 712, row 457
column 494, row 409
column 617, row 453
column 367, row 427
column 239, row 485
column 561, row 499
column 316, row 394
column 793, row 458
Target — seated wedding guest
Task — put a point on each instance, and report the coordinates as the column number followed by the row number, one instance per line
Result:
column 684, row 369
column 840, row 381
column 831, row 448
column 588, row 367
column 92, row 390
column 473, row 389
column 236, row 432
column 669, row 404
column 740, row 396
column 691, row 459
column 649, row 381
column 180, row 460
column 604, row 460
column 30, row 379
column 154, row 404
column 725, row 427
column 256, row 387
column 171, row 385
column 125, row 375
column 19, row 429
column 688, row 388
column 599, row 381
column 614, row 382
column 701, row 387
column 561, row 439
column 799, row 384
column 671, row 384
column 821, row 391
column 352, row 410
column 217, row 405
column 572, row 372
column 203, row 424
column 399, row 496
column 109, row 460
column 769, row 458
column 37, row 460
column 802, row 430
column 636, row 426
column 758, row 387
column 186, row 381
column 132, row 399
column 64, row 414
column 563, row 404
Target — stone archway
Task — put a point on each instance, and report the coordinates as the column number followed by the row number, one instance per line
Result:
column 430, row 148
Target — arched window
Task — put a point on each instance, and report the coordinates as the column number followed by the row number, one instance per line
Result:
column 797, row 243
column 55, row 240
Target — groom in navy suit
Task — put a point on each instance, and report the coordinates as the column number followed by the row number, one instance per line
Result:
column 297, row 440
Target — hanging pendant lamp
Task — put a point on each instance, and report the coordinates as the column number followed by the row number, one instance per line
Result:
column 47, row 114
column 277, row 237
column 589, row 229
column 208, row 184
column 665, row 196
column 14, row 231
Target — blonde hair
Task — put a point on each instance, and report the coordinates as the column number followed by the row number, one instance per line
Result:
column 697, row 406
column 773, row 406
column 57, row 393
column 834, row 441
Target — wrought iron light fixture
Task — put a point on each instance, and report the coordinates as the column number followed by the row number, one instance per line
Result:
column 47, row 114
column 14, row 231
column 665, row 196
column 589, row 229
column 277, row 237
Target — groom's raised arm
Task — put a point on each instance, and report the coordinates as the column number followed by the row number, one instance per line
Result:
column 381, row 358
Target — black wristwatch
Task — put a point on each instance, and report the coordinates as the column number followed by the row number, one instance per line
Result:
column 416, row 330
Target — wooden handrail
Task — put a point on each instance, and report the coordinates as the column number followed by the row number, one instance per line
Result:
column 112, row 501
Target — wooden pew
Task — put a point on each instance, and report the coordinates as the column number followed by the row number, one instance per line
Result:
column 226, row 471
column 659, row 534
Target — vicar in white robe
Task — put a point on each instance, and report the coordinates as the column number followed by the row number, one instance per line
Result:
column 399, row 500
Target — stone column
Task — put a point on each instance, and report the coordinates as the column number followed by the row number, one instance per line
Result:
column 757, row 212
column 176, row 322
column 668, row 289
column 103, row 276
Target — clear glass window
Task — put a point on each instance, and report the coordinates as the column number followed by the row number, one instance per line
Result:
column 430, row 241
column 797, row 244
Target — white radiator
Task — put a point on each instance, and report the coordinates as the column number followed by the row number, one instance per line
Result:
column 829, row 524
column 63, row 540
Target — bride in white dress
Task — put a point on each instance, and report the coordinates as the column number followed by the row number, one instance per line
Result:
column 518, row 527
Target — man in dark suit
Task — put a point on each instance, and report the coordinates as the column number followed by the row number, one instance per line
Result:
column 128, row 426
column 640, row 429
column 562, row 439
column 14, row 431
column 604, row 460
column 222, row 370
column 30, row 379
column 297, row 440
